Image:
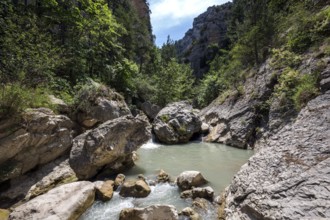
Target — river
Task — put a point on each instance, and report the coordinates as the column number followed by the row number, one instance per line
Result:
column 218, row 164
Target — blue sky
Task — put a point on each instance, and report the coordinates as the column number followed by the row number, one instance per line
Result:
column 175, row 17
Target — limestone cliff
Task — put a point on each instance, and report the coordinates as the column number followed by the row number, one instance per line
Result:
column 208, row 34
column 288, row 177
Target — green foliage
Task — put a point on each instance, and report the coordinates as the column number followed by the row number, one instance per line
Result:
column 15, row 98
column 295, row 90
column 27, row 53
column 305, row 91
column 284, row 58
column 173, row 82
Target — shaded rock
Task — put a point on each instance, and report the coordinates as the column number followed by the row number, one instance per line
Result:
column 188, row 179
column 68, row 201
column 98, row 104
column 163, row 177
column 136, row 189
column 40, row 138
column 191, row 214
column 235, row 120
column 176, row 123
column 35, row 183
column 289, row 176
column 4, row 214
column 325, row 81
column 104, row 190
column 150, row 110
column 206, row 193
column 109, row 144
column 164, row 212
column 120, row 178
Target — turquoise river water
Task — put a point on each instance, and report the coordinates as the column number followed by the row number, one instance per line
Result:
column 218, row 164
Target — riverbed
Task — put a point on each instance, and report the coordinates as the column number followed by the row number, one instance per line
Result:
column 218, row 164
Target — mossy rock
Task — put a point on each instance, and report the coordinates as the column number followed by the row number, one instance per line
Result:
column 4, row 214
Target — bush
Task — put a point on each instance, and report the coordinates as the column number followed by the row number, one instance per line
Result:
column 284, row 58
column 15, row 98
column 305, row 91
column 295, row 90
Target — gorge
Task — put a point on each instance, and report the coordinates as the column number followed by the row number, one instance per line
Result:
column 230, row 122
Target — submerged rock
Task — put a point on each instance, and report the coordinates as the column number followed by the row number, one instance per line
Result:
column 176, row 123
column 163, row 212
column 108, row 145
column 136, row 189
column 163, row 177
column 40, row 138
column 68, row 201
column 188, row 179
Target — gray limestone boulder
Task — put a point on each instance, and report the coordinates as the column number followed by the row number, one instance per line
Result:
column 68, row 201
column 39, row 138
column 164, row 212
column 98, row 104
column 188, row 179
column 176, row 123
column 108, row 145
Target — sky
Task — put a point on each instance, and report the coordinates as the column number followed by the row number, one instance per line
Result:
column 175, row 17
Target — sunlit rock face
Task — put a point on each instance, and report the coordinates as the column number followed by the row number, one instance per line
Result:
column 208, row 34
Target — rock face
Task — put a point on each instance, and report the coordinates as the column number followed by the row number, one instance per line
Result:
column 40, row 181
column 65, row 202
column 98, row 104
column 289, row 177
column 108, row 144
column 163, row 212
column 41, row 137
column 208, row 34
column 189, row 179
column 176, row 123
column 136, row 189
column 234, row 121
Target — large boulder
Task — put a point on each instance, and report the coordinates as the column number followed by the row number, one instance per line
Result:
column 188, row 179
column 136, row 189
column 289, row 176
column 163, row 212
column 108, row 144
column 98, row 104
column 39, row 138
column 176, row 123
column 65, row 202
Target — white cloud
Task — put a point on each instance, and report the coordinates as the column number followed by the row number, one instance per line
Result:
column 170, row 13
